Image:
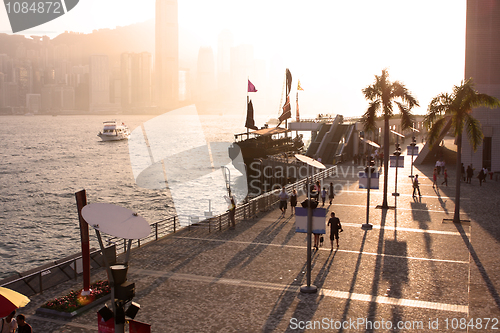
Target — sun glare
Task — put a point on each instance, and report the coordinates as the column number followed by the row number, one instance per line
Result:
column 334, row 48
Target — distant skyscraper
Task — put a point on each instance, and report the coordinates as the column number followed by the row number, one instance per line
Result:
column 242, row 68
column 205, row 74
column 482, row 64
column 166, row 54
column 99, row 82
column 224, row 45
column 136, row 79
column 2, row 90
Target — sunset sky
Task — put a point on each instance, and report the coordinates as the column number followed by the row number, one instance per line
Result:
column 334, row 47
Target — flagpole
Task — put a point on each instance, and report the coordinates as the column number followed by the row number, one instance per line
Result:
column 297, row 113
column 248, row 101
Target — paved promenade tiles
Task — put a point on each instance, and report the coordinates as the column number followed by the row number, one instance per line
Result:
column 410, row 267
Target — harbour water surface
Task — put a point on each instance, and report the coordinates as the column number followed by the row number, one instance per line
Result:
column 46, row 159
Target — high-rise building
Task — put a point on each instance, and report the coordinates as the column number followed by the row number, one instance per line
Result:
column 2, row 90
column 166, row 54
column 33, row 103
column 205, row 75
column 242, row 67
column 224, row 45
column 482, row 64
column 99, row 83
column 135, row 71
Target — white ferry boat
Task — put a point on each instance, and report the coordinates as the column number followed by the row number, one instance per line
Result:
column 114, row 131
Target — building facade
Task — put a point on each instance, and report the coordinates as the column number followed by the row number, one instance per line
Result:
column 135, row 70
column 99, row 83
column 166, row 54
column 482, row 64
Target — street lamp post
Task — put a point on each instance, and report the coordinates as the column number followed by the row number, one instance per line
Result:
column 413, row 144
column 122, row 223
column 308, row 288
column 370, row 163
column 397, row 153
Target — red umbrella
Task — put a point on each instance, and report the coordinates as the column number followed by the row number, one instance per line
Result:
column 11, row 300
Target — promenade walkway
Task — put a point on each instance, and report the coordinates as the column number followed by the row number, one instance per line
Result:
column 411, row 269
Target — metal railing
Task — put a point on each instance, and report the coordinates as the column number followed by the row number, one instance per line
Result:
column 168, row 226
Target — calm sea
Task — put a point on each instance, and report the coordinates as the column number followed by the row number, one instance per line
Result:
column 46, row 159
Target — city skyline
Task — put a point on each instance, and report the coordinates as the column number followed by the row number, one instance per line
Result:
column 331, row 48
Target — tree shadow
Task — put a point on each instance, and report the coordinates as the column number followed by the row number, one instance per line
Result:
column 307, row 302
column 441, row 202
column 354, row 278
column 175, row 252
column 420, row 213
column 246, row 256
column 372, row 309
column 491, row 288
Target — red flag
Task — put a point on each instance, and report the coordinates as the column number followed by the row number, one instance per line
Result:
column 251, row 87
column 287, row 110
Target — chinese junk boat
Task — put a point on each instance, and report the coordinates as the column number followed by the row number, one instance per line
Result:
column 267, row 141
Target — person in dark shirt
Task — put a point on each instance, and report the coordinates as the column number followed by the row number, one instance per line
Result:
column 335, row 226
column 23, row 326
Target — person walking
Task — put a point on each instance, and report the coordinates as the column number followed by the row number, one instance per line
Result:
column 283, row 200
column 416, row 187
column 481, row 177
column 331, row 194
column 9, row 323
column 316, row 240
column 293, row 201
column 445, row 177
column 470, row 173
column 434, row 178
column 232, row 212
column 335, row 227
column 485, row 170
column 438, row 166
column 23, row 326
column 323, row 195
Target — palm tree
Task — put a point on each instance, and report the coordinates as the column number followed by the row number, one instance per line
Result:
column 382, row 94
column 458, row 106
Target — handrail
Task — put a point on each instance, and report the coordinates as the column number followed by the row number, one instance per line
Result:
column 171, row 225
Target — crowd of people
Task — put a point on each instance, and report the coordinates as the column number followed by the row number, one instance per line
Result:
column 316, row 193
column 468, row 174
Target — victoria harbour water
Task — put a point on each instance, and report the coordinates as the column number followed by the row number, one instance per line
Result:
column 46, row 159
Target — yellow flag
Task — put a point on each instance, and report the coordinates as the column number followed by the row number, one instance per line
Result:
column 298, row 86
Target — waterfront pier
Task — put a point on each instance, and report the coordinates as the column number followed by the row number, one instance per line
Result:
column 411, row 268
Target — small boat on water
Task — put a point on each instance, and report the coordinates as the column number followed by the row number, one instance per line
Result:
column 114, row 131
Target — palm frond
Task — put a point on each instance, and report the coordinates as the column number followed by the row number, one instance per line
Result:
column 406, row 116
column 371, row 92
column 439, row 106
column 435, row 131
column 473, row 130
column 399, row 90
column 486, row 101
column 369, row 117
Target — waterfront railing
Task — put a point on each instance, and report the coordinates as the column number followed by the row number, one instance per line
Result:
column 36, row 281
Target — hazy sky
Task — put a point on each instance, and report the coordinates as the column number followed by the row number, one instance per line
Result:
column 334, row 47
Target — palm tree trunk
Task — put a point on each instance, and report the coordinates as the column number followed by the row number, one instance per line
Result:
column 386, row 161
column 456, row 217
